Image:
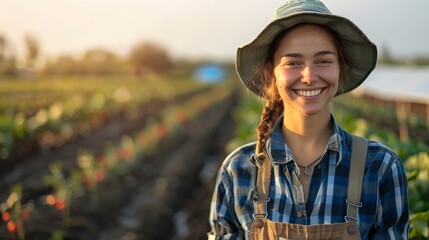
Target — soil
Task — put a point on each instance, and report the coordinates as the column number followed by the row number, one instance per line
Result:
column 166, row 196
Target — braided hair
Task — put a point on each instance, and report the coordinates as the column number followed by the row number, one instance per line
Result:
column 272, row 110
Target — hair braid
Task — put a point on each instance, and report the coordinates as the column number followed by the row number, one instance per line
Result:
column 273, row 106
column 271, row 112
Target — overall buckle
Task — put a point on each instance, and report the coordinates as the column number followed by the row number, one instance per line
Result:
column 357, row 206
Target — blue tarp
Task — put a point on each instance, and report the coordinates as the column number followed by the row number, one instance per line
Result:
column 210, row 73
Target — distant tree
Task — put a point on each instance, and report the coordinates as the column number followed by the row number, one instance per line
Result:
column 421, row 61
column 149, row 57
column 385, row 56
column 101, row 61
column 7, row 59
column 3, row 47
column 33, row 50
column 93, row 61
column 64, row 64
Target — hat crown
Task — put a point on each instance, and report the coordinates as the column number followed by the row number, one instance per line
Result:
column 292, row 7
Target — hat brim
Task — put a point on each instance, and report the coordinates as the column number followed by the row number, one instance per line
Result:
column 359, row 49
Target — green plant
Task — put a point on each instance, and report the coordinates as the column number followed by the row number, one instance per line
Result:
column 13, row 213
column 64, row 187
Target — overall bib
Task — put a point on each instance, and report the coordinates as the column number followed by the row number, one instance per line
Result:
column 263, row 228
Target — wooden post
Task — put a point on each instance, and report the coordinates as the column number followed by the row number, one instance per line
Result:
column 427, row 115
column 402, row 109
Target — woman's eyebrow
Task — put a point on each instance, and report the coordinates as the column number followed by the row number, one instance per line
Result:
column 322, row 53
column 293, row 55
column 318, row 54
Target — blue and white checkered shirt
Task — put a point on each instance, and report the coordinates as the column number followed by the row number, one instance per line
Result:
column 384, row 213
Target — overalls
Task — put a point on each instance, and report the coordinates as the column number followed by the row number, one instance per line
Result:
column 263, row 228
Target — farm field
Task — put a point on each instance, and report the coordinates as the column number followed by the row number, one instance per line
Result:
column 126, row 158
column 112, row 158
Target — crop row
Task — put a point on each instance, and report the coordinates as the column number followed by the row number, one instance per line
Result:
column 34, row 119
column 386, row 115
column 93, row 175
column 27, row 96
column 414, row 153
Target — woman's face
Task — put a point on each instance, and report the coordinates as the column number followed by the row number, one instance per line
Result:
column 306, row 70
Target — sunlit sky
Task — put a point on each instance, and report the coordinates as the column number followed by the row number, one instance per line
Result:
column 194, row 28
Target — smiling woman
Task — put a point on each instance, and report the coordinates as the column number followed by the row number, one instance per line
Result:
column 305, row 177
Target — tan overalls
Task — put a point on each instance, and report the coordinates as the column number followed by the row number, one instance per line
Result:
column 262, row 228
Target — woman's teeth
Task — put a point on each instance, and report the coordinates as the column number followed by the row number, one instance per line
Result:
column 310, row 93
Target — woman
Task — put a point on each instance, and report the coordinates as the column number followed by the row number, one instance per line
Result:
column 295, row 182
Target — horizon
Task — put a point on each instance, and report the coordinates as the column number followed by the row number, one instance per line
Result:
column 195, row 29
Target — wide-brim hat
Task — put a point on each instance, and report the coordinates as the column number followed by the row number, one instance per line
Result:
column 360, row 51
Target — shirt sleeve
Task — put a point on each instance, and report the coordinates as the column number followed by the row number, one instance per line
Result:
column 223, row 220
column 393, row 213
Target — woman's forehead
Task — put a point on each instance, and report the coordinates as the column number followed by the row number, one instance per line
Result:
column 306, row 39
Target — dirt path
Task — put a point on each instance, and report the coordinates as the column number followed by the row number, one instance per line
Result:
column 175, row 204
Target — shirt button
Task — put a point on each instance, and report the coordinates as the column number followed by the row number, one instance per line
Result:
column 352, row 229
column 258, row 223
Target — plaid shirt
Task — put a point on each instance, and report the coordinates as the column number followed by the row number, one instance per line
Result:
column 384, row 212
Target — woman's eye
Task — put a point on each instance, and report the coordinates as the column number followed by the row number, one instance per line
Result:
column 324, row 61
column 292, row 64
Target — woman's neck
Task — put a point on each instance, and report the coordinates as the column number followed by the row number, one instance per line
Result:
column 306, row 136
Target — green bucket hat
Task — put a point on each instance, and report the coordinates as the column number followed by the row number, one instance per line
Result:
column 361, row 52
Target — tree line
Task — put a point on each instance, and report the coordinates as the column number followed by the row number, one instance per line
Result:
column 387, row 58
column 143, row 57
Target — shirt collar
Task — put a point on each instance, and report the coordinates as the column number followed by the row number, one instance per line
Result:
column 280, row 153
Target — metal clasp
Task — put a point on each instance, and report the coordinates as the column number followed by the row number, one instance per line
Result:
column 357, row 206
column 257, row 214
column 265, row 214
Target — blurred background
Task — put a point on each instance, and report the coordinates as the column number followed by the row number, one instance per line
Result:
column 116, row 115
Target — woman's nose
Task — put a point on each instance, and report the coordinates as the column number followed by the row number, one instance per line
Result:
column 309, row 75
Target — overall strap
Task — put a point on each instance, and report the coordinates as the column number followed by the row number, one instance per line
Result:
column 262, row 187
column 356, row 172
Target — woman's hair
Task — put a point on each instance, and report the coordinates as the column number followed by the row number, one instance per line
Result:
column 273, row 102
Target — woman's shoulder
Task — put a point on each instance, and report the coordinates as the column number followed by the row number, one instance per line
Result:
column 376, row 149
column 240, row 157
column 243, row 152
column 382, row 155
column 378, row 153
column 381, row 158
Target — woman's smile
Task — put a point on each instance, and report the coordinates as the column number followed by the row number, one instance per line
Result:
column 309, row 93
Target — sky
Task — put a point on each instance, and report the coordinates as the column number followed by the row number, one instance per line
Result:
column 194, row 28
